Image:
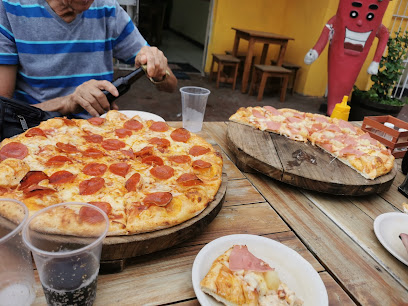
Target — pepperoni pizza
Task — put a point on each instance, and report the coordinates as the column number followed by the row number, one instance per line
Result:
column 145, row 175
column 340, row 138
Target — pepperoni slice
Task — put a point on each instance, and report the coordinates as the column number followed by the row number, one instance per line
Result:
column 122, row 133
column 158, row 198
column 180, row 135
column 162, row 172
column 160, row 142
column 153, row 160
column 61, row 177
column 120, row 169
column 113, row 144
column 105, row 206
column 3, row 190
column 68, row 122
column 36, row 190
column 96, row 120
column 146, row 151
column 87, row 214
column 32, row 178
column 128, row 153
column 200, row 164
column 180, row 159
column 159, row 126
column 58, row 160
column 91, row 186
column 35, row 132
column 132, row 182
column 189, row 179
column 13, row 150
column 94, row 153
column 95, row 169
column 133, row 124
column 94, row 138
column 66, row 147
column 198, row 150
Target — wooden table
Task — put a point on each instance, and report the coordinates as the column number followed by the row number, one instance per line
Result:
column 253, row 37
column 334, row 233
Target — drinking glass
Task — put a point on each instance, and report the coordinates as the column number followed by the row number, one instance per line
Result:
column 193, row 103
column 16, row 268
column 67, row 260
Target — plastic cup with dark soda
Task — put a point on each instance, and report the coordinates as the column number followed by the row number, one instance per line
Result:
column 67, row 261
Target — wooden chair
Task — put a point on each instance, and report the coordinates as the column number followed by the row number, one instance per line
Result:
column 265, row 72
column 224, row 60
column 242, row 56
column 294, row 68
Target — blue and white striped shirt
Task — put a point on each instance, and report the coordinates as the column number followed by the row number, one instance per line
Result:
column 54, row 56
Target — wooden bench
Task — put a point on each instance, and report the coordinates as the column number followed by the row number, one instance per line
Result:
column 242, row 57
column 224, row 60
column 265, row 72
column 294, row 68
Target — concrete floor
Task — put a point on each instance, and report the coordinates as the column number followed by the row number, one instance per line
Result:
column 222, row 102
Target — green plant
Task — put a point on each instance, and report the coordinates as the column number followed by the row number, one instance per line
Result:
column 390, row 70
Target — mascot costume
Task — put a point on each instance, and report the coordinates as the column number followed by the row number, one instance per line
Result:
column 351, row 33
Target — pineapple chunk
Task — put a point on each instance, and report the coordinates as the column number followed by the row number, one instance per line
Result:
column 272, row 279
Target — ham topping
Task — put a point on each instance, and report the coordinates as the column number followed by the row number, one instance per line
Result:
column 258, row 114
column 272, row 110
column 273, row 126
column 349, row 150
column 404, row 239
column 242, row 259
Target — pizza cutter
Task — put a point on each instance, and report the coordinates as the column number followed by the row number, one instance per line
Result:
column 123, row 83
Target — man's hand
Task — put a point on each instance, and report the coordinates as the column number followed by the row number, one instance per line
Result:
column 87, row 96
column 373, row 68
column 311, row 56
column 155, row 61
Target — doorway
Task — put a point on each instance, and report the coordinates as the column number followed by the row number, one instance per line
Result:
column 180, row 28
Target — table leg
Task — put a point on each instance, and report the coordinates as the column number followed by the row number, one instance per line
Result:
column 247, row 66
column 282, row 53
column 236, row 44
column 264, row 54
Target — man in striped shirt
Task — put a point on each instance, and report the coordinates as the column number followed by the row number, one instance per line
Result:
column 58, row 54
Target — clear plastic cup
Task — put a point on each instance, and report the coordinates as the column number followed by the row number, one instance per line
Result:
column 16, row 268
column 68, row 265
column 193, row 103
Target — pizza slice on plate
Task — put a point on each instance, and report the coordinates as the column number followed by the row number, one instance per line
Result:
column 237, row 277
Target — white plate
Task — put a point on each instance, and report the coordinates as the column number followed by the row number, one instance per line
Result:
column 292, row 268
column 143, row 115
column 387, row 228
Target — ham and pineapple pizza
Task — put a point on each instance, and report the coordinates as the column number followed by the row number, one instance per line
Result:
column 237, row 277
column 145, row 175
column 341, row 139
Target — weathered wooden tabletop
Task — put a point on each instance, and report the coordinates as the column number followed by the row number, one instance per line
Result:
column 334, row 233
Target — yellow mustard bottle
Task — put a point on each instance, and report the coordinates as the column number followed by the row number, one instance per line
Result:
column 341, row 110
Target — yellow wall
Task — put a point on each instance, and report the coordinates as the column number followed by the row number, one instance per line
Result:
column 298, row 19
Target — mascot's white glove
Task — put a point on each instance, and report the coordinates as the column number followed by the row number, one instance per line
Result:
column 373, row 69
column 311, row 56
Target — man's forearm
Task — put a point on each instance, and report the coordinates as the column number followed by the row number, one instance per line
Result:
column 53, row 105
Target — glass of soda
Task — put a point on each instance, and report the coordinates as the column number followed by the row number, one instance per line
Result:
column 66, row 242
column 193, row 104
column 16, row 268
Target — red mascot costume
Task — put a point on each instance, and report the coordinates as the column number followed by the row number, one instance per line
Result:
column 351, row 33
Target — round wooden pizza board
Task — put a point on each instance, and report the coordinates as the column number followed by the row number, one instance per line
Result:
column 116, row 249
column 299, row 164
